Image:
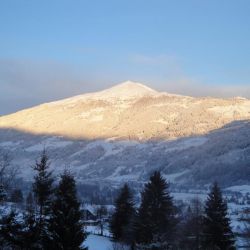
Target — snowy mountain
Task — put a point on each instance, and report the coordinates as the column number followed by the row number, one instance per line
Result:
column 125, row 132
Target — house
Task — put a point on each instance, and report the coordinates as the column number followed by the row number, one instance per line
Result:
column 89, row 216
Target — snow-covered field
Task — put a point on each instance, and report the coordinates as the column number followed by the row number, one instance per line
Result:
column 242, row 189
column 95, row 242
column 97, row 231
column 186, row 197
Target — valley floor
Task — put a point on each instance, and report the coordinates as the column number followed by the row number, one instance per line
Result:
column 95, row 242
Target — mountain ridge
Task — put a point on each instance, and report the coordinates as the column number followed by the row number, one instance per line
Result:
column 128, row 111
column 109, row 138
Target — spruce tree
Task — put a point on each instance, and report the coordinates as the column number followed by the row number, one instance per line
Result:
column 30, row 232
column 11, row 232
column 191, row 228
column 3, row 194
column 217, row 233
column 16, row 234
column 122, row 217
column 156, row 222
column 246, row 231
column 43, row 193
column 31, row 226
column 29, row 202
column 65, row 225
column 17, row 196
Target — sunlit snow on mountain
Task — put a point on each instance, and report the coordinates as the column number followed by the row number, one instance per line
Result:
column 125, row 132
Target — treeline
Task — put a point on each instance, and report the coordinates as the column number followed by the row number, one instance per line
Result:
column 156, row 224
column 52, row 217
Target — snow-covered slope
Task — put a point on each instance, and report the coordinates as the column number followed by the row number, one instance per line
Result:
column 125, row 132
column 128, row 111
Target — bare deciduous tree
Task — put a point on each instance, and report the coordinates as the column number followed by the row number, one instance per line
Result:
column 101, row 213
column 8, row 171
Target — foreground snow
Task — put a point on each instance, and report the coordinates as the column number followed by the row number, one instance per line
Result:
column 95, row 242
column 244, row 189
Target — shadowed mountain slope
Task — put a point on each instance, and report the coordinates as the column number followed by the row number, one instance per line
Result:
column 222, row 154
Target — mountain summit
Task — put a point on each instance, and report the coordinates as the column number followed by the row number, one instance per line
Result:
column 124, row 91
column 129, row 89
column 129, row 110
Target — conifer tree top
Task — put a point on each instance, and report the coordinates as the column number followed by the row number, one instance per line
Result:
column 217, row 232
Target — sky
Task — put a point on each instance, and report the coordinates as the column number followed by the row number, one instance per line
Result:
column 53, row 49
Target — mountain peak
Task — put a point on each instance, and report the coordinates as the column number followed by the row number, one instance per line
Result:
column 129, row 88
column 132, row 84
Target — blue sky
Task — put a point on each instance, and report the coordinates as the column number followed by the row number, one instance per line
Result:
column 53, row 49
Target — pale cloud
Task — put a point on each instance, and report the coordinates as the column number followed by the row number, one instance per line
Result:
column 25, row 83
column 192, row 87
column 173, row 78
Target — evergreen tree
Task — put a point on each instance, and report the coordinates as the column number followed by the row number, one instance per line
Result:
column 245, row 218
column 30, row 232
column 65, row 226
column 217, row 233
column 156, row 221
column 31, row 227
column 11, row 232
column 246, row 232
column 17, row 196
column 43, row 193
column 191, row 228
column 29, row 202
column 123, row 215
column 15, row 234
column 3, row 194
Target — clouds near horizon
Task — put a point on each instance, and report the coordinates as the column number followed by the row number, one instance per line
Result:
column 25, row 83
column 55, row 49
